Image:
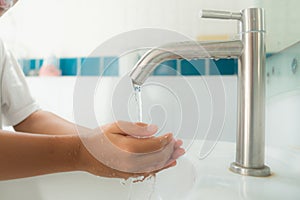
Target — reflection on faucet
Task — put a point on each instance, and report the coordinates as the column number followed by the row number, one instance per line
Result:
column 250, row 50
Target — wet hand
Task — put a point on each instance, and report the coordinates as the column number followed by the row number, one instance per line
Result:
column 125, row 149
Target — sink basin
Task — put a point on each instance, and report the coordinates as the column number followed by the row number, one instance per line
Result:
column 215, row 181
column 192, row 179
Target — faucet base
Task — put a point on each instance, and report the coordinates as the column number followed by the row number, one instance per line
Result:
column 258, row 172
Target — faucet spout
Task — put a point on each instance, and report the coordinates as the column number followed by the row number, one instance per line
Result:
column 183, row 50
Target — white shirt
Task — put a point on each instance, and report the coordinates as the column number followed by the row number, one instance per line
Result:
column 16, row 101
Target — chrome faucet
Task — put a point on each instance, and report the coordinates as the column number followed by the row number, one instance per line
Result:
column 250, row 50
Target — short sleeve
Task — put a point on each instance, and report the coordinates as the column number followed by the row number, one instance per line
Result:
column 16, row 101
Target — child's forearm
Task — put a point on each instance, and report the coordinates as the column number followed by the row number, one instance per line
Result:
column 23, row 155
column 43, row 122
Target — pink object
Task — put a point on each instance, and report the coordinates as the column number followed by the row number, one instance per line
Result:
column 6, row 4
column 49, row 70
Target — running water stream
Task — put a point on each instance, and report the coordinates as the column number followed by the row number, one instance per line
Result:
column 150, row 181
column 138, row 100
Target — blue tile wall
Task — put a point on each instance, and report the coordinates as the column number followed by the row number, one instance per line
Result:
column 269, row 55
column 30, row 64
column 167, row 68
column 68, row 66
column 223, row 67
column 193, row 67
column 111, row 66
column 90, row 66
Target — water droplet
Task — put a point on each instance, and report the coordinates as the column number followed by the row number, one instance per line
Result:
column 138, row 179
column 111, row 160
column 101, row 141
column 123, row 182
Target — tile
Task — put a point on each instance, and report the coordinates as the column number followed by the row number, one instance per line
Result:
column 223, row 67
column 25, row 65
column 90, row 66
column 193, row 67
column 269, row 55
column 110, row 66
column 167, row 68
column 68, row 66
column 30, row 64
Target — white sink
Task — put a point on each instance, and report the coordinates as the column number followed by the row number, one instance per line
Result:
column 192, row 178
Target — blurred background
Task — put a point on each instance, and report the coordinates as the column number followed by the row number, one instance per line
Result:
column 68, row 28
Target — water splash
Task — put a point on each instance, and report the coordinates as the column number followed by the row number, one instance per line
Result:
column 141, row 187
column 153, row 186
column 127, row 183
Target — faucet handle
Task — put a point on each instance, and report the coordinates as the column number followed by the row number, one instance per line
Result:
column 216, row 14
